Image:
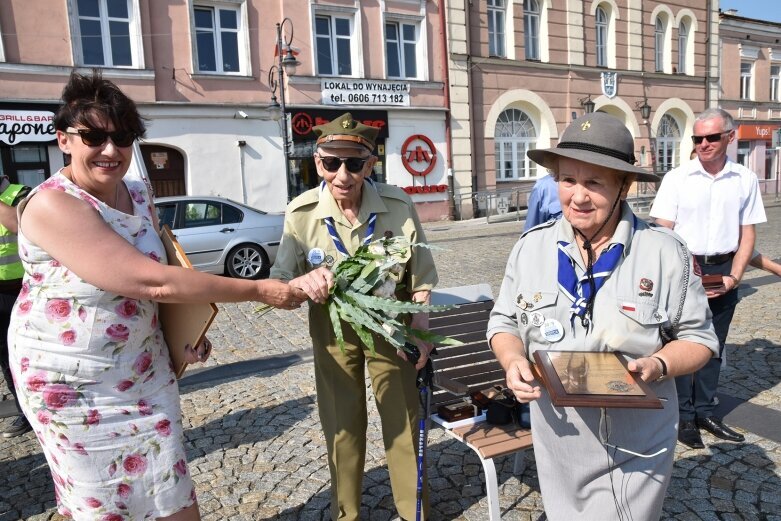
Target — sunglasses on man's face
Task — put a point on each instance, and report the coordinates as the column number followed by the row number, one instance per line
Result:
column 95, row 137
column 334, row 163
column 710, row 138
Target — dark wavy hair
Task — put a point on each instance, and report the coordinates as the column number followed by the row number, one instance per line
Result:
column 89, row 100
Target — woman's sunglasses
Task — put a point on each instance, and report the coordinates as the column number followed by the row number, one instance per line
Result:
column 333, row 163
column 710, row 138
column 95, row 137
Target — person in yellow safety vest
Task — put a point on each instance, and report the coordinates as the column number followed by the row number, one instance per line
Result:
column 11, row 273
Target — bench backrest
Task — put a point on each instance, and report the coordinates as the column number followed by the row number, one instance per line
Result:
column 473, row 363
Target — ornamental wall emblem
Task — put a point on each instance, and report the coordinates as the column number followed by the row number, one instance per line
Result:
column 610, row 84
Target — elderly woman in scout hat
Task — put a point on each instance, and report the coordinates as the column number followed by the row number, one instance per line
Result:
column 601, row 279
column 323, row 226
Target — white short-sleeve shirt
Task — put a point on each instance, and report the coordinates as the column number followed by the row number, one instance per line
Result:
column 708, row 210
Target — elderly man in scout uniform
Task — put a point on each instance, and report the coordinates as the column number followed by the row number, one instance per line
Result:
column 322, row 227
column 600, row 279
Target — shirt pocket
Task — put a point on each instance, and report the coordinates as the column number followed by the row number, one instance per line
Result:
column 532, row 307
column 646, row 314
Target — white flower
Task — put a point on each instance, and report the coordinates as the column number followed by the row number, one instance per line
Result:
column 386, row 290
column 376, row 249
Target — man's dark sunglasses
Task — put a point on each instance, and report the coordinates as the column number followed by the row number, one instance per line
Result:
column 353, row 164
column 95, row 137
column 710, row 138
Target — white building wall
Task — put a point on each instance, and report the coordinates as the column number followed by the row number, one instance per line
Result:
column 215, row 162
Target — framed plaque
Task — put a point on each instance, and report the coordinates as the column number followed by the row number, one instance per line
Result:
column 592, row 379
column 712, row 281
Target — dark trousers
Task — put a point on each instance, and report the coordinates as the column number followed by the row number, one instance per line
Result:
column 7, row 299
column 696, row 392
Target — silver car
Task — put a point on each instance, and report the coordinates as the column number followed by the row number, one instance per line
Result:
column 223, row 236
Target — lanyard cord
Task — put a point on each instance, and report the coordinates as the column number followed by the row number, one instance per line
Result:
column 586, row 318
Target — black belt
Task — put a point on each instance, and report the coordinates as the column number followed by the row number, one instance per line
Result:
column 710, row 260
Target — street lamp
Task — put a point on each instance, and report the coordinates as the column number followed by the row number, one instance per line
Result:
column 587, row 104
column 645, row 109
column 286, row 64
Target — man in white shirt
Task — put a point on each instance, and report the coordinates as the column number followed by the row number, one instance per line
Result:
column 713, row 204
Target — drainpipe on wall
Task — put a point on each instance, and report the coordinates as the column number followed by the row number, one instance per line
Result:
column 448, row 135
column 470, row 87
column 708, row 36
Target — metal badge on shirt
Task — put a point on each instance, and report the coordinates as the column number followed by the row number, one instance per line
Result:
column 316, row 256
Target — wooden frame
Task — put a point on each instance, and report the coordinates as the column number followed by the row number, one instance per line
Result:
column 182, row 324
column 614, row 387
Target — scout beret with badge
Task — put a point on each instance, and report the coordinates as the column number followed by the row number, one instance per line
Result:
column 346, row 132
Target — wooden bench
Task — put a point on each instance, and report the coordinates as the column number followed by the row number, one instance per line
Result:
column 471, row 367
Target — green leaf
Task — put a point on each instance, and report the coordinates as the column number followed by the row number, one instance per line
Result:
column 397, row 306
column 434, row 338
column 333, row 313
column 364, row 335
column 262, row 310
column 358, row 317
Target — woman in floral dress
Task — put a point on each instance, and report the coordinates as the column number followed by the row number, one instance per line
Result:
column 88, row 357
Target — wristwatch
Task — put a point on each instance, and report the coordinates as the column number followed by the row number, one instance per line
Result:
column 733, row 277
column 664, row 369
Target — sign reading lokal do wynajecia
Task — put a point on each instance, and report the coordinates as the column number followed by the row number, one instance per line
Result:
column 365, row 92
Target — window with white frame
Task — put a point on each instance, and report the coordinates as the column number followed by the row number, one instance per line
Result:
column 746, row 68
column 659, row 37
column 683, row 44
column 106, row 33
column 775, row 82
column 219, row 39
column 514, row 136
column 496, row 23
column 531, row 29
column 601, row 21
column 333, row 44
column 668, row 144
column 401, row 49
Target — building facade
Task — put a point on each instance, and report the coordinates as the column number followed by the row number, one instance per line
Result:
column 204, row 74
column 750, row 89
column 522, row 70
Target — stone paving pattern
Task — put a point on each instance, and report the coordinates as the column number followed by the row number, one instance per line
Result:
column 256, row 451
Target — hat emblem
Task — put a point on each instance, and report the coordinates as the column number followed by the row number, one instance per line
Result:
column 585, row 126
column 346, row 123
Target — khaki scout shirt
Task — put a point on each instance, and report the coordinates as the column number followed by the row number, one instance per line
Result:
column 643, row 292
column 305, row 230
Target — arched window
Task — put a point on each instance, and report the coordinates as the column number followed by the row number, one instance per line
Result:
column 668, row 144
column 515, row 135
column 531, row 29
column 683, row 44
column 601, row 34
column 659, row 45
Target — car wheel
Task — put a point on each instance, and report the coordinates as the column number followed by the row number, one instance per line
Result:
column 247, row 261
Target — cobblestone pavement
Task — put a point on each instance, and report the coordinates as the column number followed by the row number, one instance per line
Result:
column 256, row 451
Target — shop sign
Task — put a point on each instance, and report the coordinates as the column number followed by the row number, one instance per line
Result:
column 757, row 132
column 302, row 121
column 159, row 159
column 418, row 155
column 365, row 92
column 19, row 126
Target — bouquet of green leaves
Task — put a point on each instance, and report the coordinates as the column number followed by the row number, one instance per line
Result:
column 364, row 295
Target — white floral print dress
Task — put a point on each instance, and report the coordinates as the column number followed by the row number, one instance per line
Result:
column 95, row 380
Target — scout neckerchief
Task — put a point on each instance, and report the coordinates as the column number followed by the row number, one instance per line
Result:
column 596, row 274
column 329, row 224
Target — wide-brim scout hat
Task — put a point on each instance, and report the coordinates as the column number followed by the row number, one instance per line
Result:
column 597, row 139
column 346, row 132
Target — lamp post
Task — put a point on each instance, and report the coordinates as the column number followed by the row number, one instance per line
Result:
column 286, row 64
column 645, row 113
